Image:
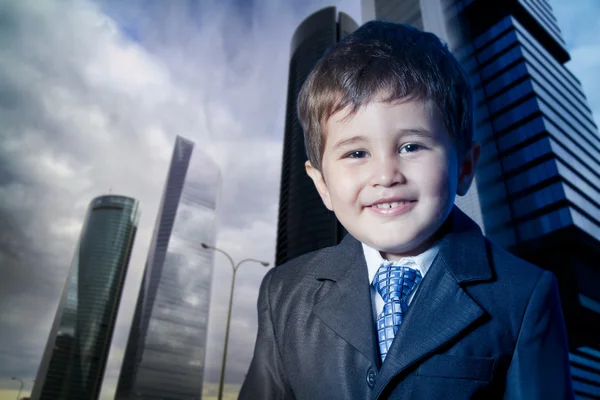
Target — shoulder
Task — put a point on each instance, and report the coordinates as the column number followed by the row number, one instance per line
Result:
column 514, row 270
column 287, row 277
column 515, row 280
column 289, row 291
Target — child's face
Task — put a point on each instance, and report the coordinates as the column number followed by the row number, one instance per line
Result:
column 401, row 157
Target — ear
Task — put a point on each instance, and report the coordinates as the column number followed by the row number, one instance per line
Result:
column 320, row 184
column 467, row 169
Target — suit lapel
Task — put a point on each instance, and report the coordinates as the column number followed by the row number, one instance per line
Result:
column 346, row 308
column 441, row 310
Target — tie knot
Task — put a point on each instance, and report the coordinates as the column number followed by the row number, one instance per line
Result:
column 396, row 281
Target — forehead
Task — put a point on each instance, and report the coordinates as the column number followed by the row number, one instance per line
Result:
column 383, row 114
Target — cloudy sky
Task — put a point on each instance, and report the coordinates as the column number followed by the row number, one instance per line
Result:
column 92, row 94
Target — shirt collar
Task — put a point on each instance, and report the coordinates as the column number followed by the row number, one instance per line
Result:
column 422, row 262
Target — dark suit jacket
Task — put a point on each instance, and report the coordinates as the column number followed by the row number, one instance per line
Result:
column 483, row 325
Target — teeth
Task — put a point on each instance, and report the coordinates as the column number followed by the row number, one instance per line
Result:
column 390, row 205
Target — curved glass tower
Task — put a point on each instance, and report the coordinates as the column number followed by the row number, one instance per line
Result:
column 164, row 358
column 305, row 224
column 75, row 357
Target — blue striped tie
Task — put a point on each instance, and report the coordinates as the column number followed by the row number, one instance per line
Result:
column 394, row 283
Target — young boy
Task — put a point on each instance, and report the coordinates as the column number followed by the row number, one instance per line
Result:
column 414, row 303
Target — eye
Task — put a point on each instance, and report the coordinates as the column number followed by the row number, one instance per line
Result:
column 356, row 154
column 411, row 148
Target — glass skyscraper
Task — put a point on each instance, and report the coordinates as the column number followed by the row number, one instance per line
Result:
column 75, row 357
column 305, row 224
column 537, row 185
column 164, row 357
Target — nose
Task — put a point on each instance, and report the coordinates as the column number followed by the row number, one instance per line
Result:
column 386, row 172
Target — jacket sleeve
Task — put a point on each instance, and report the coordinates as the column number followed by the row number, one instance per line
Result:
column 540, row 364
column 265, row 378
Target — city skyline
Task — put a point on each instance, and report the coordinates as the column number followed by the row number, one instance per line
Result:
column 90, row 124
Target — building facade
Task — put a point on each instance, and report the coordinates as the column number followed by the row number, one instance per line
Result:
column 538, row 180
column 75, row 357
column 304, row 223
column 164, row 357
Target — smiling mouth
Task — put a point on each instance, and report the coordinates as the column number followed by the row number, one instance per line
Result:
column 392, row 208
column 393, row 204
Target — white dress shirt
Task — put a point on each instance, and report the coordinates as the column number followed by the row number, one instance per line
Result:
column 422, row 262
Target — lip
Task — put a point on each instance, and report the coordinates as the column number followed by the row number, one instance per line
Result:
column 390, row 200
column 401, row 209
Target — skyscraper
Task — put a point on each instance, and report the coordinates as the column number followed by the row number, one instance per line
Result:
column 537, row 182
column 75, row 357
column 305, row 224
column 164, row 358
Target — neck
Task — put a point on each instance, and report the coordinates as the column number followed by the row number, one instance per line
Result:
column 423, row 246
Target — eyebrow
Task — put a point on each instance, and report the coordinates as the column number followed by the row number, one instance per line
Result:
column 402, row 132
column 415, row 131
column 350, row 141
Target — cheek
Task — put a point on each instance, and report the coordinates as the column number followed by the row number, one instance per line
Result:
column 345, row 188
column 437, row 180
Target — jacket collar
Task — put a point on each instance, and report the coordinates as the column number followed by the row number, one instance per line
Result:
column 461, row 239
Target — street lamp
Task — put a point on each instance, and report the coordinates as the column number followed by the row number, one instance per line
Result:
column 235, row 267
column 14, row 378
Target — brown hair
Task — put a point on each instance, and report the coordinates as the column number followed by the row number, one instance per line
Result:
column 395, row 60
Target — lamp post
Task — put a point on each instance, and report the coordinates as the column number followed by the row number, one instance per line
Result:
column 235, row 267
column 14, row 378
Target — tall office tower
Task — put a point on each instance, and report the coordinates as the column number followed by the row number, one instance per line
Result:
column 305, row 224
column 538, row 181
column 75, row 357
column 164, row 358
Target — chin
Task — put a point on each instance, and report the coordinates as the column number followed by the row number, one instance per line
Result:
column 396, row 247
column 402, row 245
